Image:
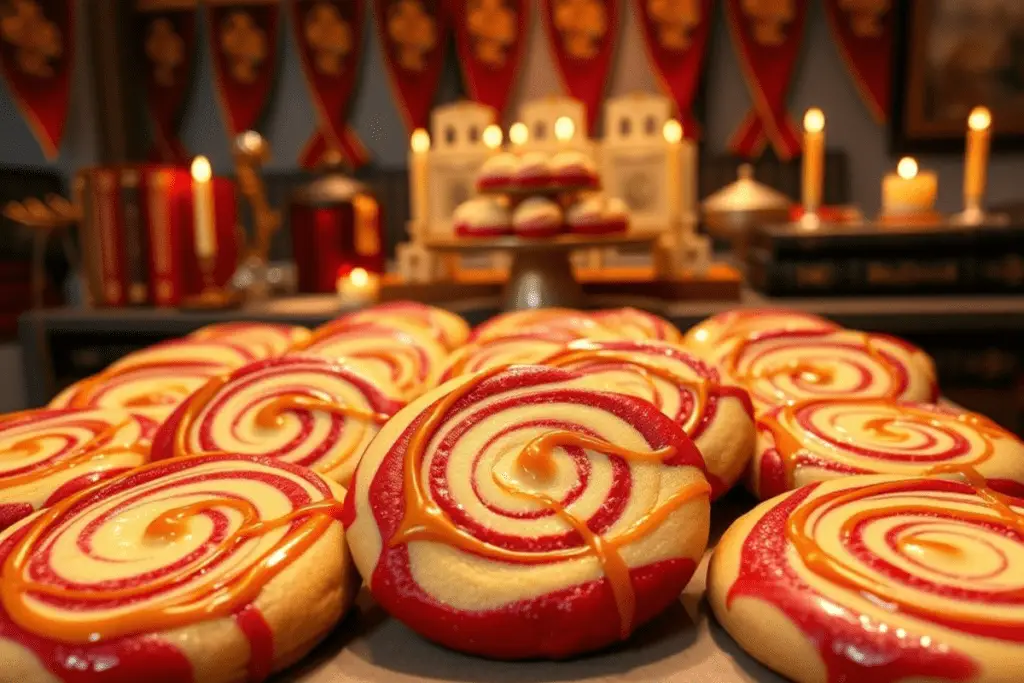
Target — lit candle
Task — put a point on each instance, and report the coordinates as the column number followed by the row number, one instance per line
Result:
column 814, row 159
column 418, row 173
column 358, row 286
column 518, row 134
column 565, row 129
column 979, row 128
column 673, row 133
column 909, row 191
column 492, row 137
column 202, row 209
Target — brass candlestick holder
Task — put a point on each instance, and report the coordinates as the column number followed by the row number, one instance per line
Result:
column 212, row 296
column 54, row 216
column 251, row 151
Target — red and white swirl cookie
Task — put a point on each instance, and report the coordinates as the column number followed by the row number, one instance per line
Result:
column 713, row 337
column 717, row 416
column 403, row 365
column 46, row 455
column 632, row 323
column 304, row 410
column 874, row 578
column 187, row 350
column 215, row 568
column 416, row 318
column 783, row 367
column 265, row 340
column 542, row 321
column 815, row 440
column 519, row 513
column 524, row 349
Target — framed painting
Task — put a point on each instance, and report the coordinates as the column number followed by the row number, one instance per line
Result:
column 951, row 56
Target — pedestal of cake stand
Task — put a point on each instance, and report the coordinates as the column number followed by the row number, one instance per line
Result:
column 541, row 275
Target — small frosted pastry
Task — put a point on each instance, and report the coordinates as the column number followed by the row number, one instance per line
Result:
column 638, row 325
column 785, row 367
column 815, row 440
column 541, row 322
column 187, row 350
column 416, row 318
column 265, row 340
column 515, row 349
column 572, row 168
column 498, row 172
column 712, row 337
column 401, row 363
column 533, row 171
column 47, row 455
column 874, row 578
column 718, row 416
column 304, row 410
column 482, row 217
column 537, row 217
column 616, row 215
column 215, row 568
column 586, row 216
column 521, row 514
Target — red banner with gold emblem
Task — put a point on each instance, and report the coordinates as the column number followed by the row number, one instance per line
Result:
column 37, row 47
column 767, row 36
column 243, row 42
column 491, row 36
column 329, row 34
column 676, row 36
column 166, row 30
column 863, row 31
column 413, row 34
column 582, row 36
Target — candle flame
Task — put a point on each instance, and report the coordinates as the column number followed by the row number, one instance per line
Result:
column 907, row 168
column 519, row 133
column 814, row 120
column 980, row 119
column 673, row 131
column 420, row 141
column 492, row 136
column 359, row 277
column 564, row 129
column 201, row 171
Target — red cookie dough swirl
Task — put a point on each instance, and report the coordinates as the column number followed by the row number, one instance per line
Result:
column 305, row 410
column 713, row 337
column 717, row 416
column 405, row 365
column 632, row 323
column 782, row 367
column 214, row 568
column 265, row 340
column 518, row 513
column 813, row 440
column 542, row 321
column 187, row 350
column 46, row 455
column 881, row 579
column 518, row 349
column 416, row 318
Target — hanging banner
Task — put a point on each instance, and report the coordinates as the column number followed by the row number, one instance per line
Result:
column 37, row 48
column 329, row 34
column 676, row 37
column 491, row 36
column 582, row 36
column 766, row 35
column 864, row 35
column 412, row 35
column 166, row 31
column 243, row 42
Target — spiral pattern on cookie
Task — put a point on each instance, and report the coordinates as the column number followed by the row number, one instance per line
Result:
column 712, row 337
column 187, row 350
column 418, row 319
column 815, row 439
column 111, row 572
column 265, row 340
column 576, row 324
column 46, row 455
column 403, row 364
column 782, row 367
column 518, row 349
column 638, row 325
column 304, row 410
column 523, row 501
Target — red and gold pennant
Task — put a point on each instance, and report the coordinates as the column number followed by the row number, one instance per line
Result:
column 491, row 36
column 37, row 48
column 863, row 32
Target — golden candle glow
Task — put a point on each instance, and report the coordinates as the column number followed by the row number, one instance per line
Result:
column 420, row 141
column 910, row 191
column 202, row 209
column 814, row 159
column 979, row 132
column 492, row 136
column 518, row 134
column 673, row 131
column 980, row 119
column 907, row 168
column 565, row 129
column 358, row 286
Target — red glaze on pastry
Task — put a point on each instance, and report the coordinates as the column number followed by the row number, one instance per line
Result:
column 518, row 513
column 633, row 323
column 265, row 340
column 304, row 410
column 411, row 316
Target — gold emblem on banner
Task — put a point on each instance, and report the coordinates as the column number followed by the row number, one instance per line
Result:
column 36, row 39
column 165, row 49
column 244, row 44
column 492, row 25
column 768, row 19
column 414, row 32
column 866, row 16
column 330, row 37
column 582, row 24
column 674, row 20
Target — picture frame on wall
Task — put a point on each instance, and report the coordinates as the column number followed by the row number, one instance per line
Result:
column 950, row 56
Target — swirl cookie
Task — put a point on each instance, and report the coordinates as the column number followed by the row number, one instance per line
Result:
column 542, row 321
column 404, row 365
column 712, row 337
column 47, row 455
column 215, row 569
column 717, row 416
column 872, row 578
column 187, row 350
column 632, row 323
column 519, row 513
column 416, row 318
column 783, row 367
column 265, row 340
column 814, row 440
column 304, row 410
column 524, row 349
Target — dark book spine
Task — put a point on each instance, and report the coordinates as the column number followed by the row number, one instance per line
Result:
column 135, row 249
